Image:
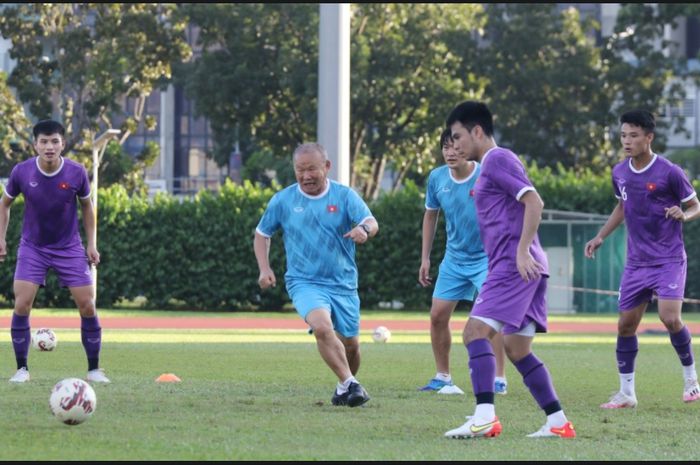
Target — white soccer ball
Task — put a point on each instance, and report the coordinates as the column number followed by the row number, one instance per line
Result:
column 44, row 340
column 381, row 334
column 72, row 401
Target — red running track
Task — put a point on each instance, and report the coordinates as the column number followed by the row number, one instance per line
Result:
column 295, row 323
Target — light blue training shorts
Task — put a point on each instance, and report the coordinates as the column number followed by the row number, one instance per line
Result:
column 344, row 308
column 459, row 281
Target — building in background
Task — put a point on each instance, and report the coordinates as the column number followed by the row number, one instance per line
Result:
column 184, row 139
column 183, row 167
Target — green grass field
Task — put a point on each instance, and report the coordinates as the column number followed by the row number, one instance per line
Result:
column 265, row 395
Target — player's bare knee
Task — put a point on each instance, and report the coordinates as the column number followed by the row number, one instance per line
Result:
column 626, row 331
column 474, row 330
column 469, row 335
column 627, row 328
column 439, row 319
column 22, row 307
column 323, row 331
column 23, row 303
column 672, row 323
column 516, row 353
column 86, row 308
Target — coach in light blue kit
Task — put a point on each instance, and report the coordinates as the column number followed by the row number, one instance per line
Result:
column 321, row 221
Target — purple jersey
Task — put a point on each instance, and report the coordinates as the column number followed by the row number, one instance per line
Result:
column 50, row 203
column 652, row 239
column 502, row 183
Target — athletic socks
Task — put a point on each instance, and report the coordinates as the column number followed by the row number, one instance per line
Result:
column 627, row 384
column 556, row 419
column 21, row 338
column 689, row 372
column 342, row 388
column 482, row 368
column 446, row 377
column 681, row 342
column 91, row 336
column 485, row 412
column 537, row 379
column 626, row 352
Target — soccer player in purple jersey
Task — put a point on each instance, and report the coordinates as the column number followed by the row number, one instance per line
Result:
column 513, row 297
column 52, row 187
column 651, row 192
column 463, row 269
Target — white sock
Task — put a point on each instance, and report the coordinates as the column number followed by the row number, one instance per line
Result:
column 446, row 377
column 501, row 379
column 556, row 419
column 689, row 372
column 485, row 412
column 342, row 388
column 627, row 384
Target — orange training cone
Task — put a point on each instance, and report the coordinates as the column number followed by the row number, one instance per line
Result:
column 168, row 378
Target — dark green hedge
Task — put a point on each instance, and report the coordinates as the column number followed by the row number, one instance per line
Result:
column 197, row 253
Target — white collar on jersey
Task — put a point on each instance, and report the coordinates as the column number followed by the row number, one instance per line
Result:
column 653, row 159
column 483, row 159
column 325, row 191
column 50, row 175
column 471, row 175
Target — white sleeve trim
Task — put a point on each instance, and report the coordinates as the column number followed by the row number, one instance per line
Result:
column 617, row 197
column 694, row 194
column 86, row 197
column 8, row 195
column 431, row 208
column 366, row 218
column 257, row 230
column 523, row 191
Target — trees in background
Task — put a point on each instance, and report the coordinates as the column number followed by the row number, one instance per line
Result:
column 405, row 79
column 556, row 86
column 545, row 83
column 257, row 80
column 557, row 89
column 81, row 62
column 14, row 125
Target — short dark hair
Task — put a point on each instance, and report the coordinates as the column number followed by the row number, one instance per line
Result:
column 445, row 137
column 470, row 114
column 642, row 118
column 48, row 127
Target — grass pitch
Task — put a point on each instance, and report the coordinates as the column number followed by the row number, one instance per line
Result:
column 265, row 395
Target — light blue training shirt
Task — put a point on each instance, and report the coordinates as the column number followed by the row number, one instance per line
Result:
column 313, row 229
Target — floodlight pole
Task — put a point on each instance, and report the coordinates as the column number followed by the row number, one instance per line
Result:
column 99, row 145
column 333, row 123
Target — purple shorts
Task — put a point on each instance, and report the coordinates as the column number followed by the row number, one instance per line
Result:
column 513, row 301
column 639, row 283
column 71, row 265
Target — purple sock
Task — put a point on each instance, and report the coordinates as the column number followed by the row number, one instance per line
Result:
column 537, row 379
column 91, row 335
column 681, row 342
column 627, row 348
column 21, row 338
column 482, row 367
